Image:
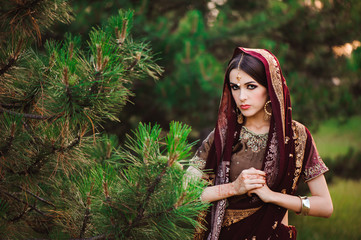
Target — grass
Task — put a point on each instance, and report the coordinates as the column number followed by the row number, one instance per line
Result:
column 334, row 138
column 344, row 223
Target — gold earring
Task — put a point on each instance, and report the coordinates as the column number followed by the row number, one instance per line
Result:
column 239, row 116
column 268, row 114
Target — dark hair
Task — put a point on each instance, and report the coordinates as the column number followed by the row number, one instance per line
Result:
column 250, row 65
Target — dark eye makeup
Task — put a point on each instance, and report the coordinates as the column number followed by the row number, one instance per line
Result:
column 236, row 87
column 251, row 86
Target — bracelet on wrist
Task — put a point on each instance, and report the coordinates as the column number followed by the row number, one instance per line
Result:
column 305, row 205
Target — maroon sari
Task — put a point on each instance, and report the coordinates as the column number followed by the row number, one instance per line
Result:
column 289, row 142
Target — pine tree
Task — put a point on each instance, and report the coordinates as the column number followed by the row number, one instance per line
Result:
column 60, row 177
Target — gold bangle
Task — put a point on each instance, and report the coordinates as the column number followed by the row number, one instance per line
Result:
column 305, row 205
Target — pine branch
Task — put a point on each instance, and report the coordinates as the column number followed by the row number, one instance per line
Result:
column 159, row 214
column 98, row 69
column 75, row 142
column 9, row 141
column 20, row 216
column 36, row 166
column 26, row 115
column 39, row 198
column 120, row 37
column 120, row 211
column 136, row 60
column 11, row 105
column 150, row 191
column 66, row 82
column 12, row 59
column 87, row 212
column 85, row 222
column 26, row 203
column 8, row 65
column 99, row 237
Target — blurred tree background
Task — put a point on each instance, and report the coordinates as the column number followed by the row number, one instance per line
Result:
column 316, row 41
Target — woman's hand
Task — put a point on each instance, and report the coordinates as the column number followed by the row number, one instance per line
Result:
column 249, row 180
column 264, row 193
column 320, row 201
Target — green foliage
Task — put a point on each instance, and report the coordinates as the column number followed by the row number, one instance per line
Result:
column 24, row 21
column 60, row 178
column 138, row 192
column 149, row 200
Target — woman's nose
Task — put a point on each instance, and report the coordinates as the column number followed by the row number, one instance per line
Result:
column 242, row 95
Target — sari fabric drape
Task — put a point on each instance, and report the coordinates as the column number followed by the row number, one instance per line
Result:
column 288, row 143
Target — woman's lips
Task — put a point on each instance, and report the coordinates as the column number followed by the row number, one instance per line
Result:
column 245, row 107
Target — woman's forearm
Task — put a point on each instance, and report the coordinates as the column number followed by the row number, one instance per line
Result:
column 320, row 199
column 215, row 193
column 248, row 179
column 319, row 206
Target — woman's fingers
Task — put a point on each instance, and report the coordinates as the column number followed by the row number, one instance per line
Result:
column 255, row 181
column 249, row 179
column 253, row 171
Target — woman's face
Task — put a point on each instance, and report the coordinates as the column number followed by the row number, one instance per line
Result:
column 249, row 95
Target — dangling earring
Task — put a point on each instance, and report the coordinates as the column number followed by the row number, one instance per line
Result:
column 268, row 114
column 239, row 116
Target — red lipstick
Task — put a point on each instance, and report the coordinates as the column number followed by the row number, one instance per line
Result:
column 245, row 107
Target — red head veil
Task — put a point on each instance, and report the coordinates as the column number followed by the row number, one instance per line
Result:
column 281, row 164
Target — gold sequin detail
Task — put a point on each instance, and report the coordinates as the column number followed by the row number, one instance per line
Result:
column 275, row 225
column 235, row 215
column 254, row 141
column 300, row 135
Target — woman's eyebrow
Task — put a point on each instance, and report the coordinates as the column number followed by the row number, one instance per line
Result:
column 250, row 82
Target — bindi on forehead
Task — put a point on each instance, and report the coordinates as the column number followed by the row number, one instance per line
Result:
column 238, row 78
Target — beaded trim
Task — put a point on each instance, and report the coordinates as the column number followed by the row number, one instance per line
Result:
column 254, row 141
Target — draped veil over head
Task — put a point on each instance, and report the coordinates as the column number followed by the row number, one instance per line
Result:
column 288, row 142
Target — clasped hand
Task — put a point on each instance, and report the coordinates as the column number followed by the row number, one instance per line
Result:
column 251, row 181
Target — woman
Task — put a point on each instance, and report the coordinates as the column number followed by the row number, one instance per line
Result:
column 258, row 154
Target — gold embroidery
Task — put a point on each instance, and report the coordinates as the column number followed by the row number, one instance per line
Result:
column 275, row 78
column 198, row 162
column 255, row 142
column 200, row 231
column 235, row 215
column 315, row 171
column 275, row 225
column 300, row 136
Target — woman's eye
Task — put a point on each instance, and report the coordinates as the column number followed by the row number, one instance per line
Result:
column 234, row 87
column 251, row 86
